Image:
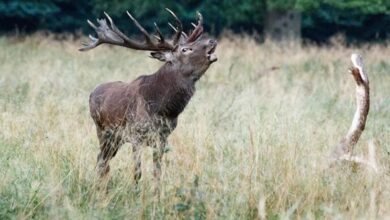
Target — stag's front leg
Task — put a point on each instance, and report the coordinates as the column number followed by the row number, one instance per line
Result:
column 137, row 163
column 157, row 156
column 158, row 152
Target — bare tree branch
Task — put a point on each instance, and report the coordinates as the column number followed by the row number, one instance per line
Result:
column 344, row 149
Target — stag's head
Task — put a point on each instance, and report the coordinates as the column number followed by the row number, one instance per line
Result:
column 191, row 55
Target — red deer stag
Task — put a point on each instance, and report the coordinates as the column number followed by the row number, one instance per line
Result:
column 145, row 111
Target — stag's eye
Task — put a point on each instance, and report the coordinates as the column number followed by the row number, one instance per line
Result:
column 186, row 50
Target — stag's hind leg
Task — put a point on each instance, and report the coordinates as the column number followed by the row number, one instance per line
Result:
column 137, row 162
column 110, row 141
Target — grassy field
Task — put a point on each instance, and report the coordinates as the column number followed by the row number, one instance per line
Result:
column 253, row 142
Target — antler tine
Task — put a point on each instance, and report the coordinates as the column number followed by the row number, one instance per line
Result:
column 161, row 37
column 200, row 18
column 198, row 30
column 179, row 28
column 139, row 26
column 116, row 30
column 109, row 19
column 92, row 38
column 91, row 24
column 88, row 46
column 182, row 33
column 94, row 41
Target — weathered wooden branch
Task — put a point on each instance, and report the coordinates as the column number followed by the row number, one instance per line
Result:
column 344, row 149
column 346, row 144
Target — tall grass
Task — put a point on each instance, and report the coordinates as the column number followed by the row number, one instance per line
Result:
column 253, row 141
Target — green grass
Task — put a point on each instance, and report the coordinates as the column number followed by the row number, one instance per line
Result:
column 253, row 141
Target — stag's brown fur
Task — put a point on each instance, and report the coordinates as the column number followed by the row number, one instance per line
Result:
column 145, row 111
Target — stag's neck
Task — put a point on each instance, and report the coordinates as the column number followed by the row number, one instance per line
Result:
column 175, row 76
column 183, row 72
column 167, row 92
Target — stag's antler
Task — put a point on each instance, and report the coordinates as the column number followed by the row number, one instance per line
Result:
column 198, row 31
column 178, row 29
column 110, row 34
column 194, row 35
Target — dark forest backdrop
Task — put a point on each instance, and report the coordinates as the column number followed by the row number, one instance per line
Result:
column 358, row 20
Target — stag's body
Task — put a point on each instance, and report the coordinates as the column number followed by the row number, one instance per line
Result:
column 144, row 112
column 162, row 94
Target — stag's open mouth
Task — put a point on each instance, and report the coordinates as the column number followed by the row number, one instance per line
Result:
column 211, row 55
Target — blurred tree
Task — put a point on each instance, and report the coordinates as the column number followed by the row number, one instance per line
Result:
column 219, row 14
column 25, row 15
column 358, row 19
column 361, row 6
column 283, row 20
column 31, row 15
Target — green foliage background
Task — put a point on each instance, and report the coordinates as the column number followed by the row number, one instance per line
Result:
column 359, row 20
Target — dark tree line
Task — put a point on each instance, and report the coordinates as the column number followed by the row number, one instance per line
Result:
column 359, row 20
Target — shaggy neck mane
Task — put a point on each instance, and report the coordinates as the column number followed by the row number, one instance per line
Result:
column 167, row 92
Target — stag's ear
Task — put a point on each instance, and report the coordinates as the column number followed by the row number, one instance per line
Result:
column 162, row 56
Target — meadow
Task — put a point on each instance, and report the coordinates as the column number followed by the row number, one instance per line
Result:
column 253, row 142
